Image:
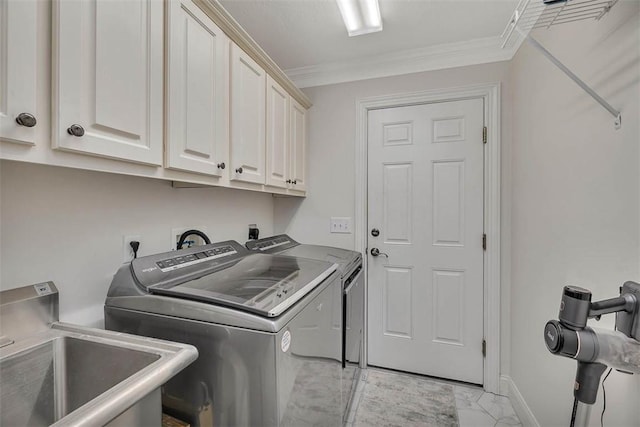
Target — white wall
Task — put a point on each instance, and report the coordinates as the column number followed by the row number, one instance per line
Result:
column 67, row 225
column 575, row 211
column 331, row 159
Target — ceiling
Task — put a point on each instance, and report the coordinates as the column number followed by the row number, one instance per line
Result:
column 306, row 34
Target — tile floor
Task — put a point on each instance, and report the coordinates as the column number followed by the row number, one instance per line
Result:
column 387, row 398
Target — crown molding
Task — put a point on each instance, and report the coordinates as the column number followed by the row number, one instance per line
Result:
column 449, row 55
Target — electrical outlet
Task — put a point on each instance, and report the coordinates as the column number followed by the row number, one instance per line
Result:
column 340, row 225
column 127, row 252
column 177, row 232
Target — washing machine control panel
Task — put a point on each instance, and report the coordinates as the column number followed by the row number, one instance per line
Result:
column 272, row 244
column 183, row 261
column 175, row 266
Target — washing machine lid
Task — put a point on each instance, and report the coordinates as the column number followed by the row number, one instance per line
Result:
column 343, row 257
column 282, row 244
column 264, row 284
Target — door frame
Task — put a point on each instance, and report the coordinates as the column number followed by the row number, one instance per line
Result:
column 490, row 93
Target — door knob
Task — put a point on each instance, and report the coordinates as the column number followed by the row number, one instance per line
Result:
column 376, row 252
column 221, row 165
column 26, row 119
column 375, row 232
column 75, row 130
column 239, row 170
column 289, row 181
column 295, row 181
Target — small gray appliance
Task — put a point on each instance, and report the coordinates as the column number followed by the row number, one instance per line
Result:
column 350, row 269
column 267, row 327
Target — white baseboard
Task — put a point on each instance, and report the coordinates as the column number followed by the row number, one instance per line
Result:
column 509, row 388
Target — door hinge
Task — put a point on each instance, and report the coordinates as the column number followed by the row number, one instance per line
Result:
column 484, row 348
column 484, row 135
column 484, row 242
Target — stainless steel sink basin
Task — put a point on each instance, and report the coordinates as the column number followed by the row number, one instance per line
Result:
column 45, row 383
column 59, row 374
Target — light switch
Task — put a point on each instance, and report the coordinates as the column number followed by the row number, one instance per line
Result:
column 340, row 225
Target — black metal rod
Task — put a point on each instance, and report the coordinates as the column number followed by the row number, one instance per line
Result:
column 611, row 305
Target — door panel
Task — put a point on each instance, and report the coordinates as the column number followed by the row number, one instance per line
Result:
column 109, row 82
column 426, row 197
column 277, row 134
column 298, row 146
column 397, row 313
column 398, row 199
column 197, row 89
column 448, row 202
column 248, row 87
column 18, row 66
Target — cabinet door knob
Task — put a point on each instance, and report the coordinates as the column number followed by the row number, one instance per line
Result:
column 75, row 130
column 221, row 165
column 239, row 170
column 289, row 181
column 26, row 119
column 295, row 181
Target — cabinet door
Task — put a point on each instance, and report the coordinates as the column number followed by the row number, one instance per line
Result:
column 248, row 81
column 18, row 65
column 197, row 91
column 107, row 67
column 298, row 146
column 277, row 134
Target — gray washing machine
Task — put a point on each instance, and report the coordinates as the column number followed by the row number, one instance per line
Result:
column 352, row 277
column 267, row 327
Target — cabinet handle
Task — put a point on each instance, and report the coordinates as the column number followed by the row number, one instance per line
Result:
column 295, row 181
column 289, row 181
column 26, row 119
column 376, row 252
column 75, row 130
column 221, row 165
column 239, row 170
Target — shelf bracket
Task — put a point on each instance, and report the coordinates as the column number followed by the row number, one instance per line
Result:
column 615, row 113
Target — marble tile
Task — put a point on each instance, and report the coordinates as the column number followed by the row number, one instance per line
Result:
column 394, row 399
column 497, row 406
column 387, row 398
column 467, row 404
column 475, row 418
column 469, row 393
column 509, row 421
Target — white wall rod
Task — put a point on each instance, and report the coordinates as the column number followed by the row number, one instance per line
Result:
column 615, row 113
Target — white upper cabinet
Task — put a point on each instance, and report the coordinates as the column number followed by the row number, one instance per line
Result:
column 298, row 136
column 197, row 91
column 18, row 65
column 248, row 82
column 277, row 135
column 108, row 78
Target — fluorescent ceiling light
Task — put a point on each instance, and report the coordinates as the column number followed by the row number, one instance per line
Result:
column 360, row 16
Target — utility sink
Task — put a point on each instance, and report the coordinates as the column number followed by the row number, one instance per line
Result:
column 71, row 375
column 43, row 384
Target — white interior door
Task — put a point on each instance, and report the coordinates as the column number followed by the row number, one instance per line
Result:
column 426, row 199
